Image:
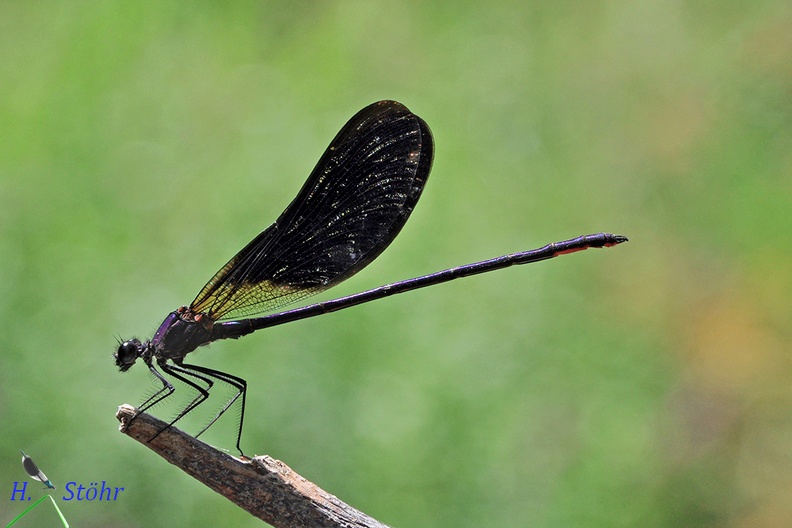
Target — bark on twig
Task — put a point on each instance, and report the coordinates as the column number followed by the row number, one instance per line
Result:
column 265, row 487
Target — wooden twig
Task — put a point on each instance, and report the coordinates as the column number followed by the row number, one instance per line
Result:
column 265, row 487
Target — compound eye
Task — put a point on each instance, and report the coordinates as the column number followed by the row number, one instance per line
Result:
column 127, row 353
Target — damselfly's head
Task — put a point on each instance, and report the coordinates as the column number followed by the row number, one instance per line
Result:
column 127, row 353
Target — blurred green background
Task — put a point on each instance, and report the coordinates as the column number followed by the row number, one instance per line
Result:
column 143, row 143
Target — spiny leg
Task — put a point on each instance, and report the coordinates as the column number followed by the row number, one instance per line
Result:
column 158, row 396
column 180, row 373
column 238, row 383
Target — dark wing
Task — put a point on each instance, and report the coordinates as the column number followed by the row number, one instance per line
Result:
column 32, row 469
column 353, row 205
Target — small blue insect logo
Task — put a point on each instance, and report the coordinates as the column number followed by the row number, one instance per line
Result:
column 19, row 491
column 35, row 473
